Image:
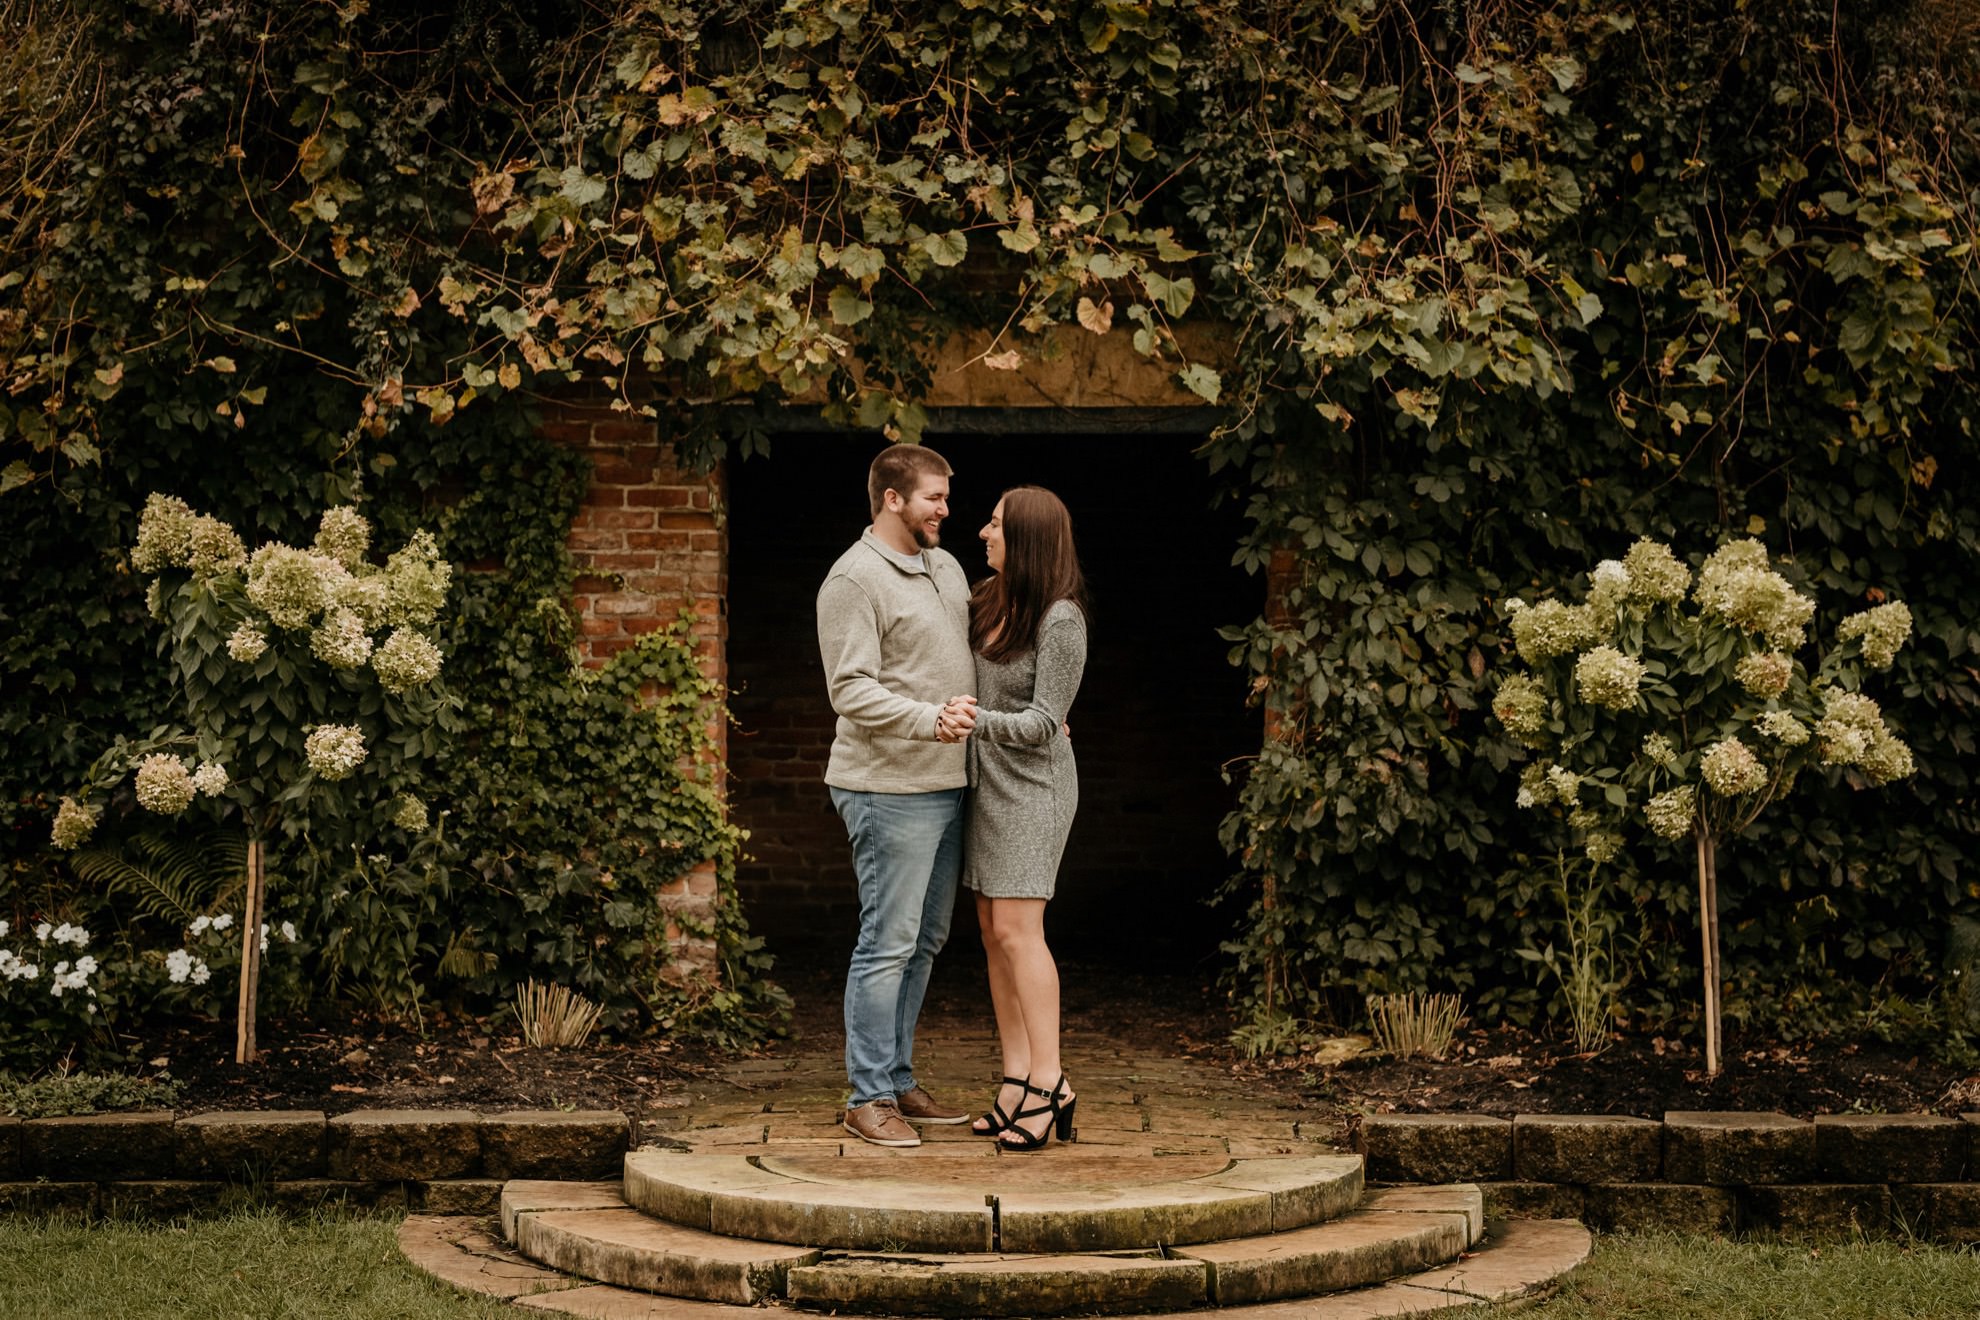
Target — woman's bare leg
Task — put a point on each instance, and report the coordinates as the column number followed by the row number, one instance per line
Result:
column 1018, row 929
column 1012, row 1039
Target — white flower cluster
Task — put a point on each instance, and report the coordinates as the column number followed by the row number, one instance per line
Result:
column 340, row 640
column 181, row 966
column 1731, row 769
column 416, row 578
column 288, row 585
column 1765, row 674
column 1606, row 677
column 1670, row 813
column 74, row 822
column 406, row 661
column 1658, row 750
column 409, row 813
column 1853, row 732
column 1522, row 706
column 14, row 968
column 1738, row 588
column 171, row 535
column 343, row 534
column 210, row 779
column 1608, row 586
column 62, row 934
column 1552, row 628
column 247, row 643
column 1542, row 783
column 1884, row 630
column 1782, row 727
column 335, row 750
column 203, row 923
column 1655, row 574
column 163, row 784
column 66, row 977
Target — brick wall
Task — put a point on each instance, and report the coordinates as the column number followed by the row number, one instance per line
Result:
column 650, row 538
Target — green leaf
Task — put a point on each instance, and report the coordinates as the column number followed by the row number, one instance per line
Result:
column 1202, row 381
column 848, row 308
column 946, row 249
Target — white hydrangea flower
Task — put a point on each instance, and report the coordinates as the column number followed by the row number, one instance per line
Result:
column 1850, row 723
column 247, row 642
column 288, row 929
column 1551, row 628
column 1565, row 783
column 1884, row 630
column 409, row 813
column 407, row 660
column 1608, row 586
column 1525, row 798
column 416, row 579
column 264, row 937
column 213, row 548
column 163, row 784
column 1657, row 749
column 335, row 750
column 1601, row 846
column 1670, row 813
column 210, row 779
column 1731, row 769
column 368, row 597
column 344, row 535
column 164, row 532
column 1888, row 758
column 154, row 600
column 1783, row 728
column 285, row 584
column 1737, row 587
column 1512, row 606
column 1606, row 677
column 1655, row 574
column 1765, row 674
column 340, row 641
column 74, row 823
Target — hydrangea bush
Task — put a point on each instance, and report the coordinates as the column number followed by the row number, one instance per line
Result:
column 310, row 687
column 1664, row 707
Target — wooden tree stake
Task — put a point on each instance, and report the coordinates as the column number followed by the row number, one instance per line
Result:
column 1708, row 928
column 250, row 957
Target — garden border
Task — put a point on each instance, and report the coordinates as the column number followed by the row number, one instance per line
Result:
column 1699, row 1171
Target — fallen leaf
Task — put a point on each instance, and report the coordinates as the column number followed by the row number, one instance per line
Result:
column 1009, row 360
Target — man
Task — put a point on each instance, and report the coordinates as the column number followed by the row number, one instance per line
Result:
column 893, row 631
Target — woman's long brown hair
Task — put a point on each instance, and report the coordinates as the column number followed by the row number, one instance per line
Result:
column 1041, row 568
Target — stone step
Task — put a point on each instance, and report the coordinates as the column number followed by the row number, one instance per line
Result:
column 1520, row 1260
column 1075, row 1201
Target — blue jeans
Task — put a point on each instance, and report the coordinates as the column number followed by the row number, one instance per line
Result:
column 907, row 853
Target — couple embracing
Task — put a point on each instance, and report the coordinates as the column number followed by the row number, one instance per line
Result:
column 951, row 765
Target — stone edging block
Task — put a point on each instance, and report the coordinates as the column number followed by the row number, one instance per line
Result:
column 387, row 1144
column 1891, row 1148
column 1436, row 1148
column 10, row 1147
column 1586, row 1148
column 1733, row 1149
column 1669, row 1207
column 549, row 1143
column 89, row 1147
column 254, row 1144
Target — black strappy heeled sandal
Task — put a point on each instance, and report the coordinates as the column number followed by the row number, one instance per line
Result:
column 997, row 1118
column 1060, row 1126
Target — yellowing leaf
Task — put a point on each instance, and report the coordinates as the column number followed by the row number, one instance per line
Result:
column 1202, row 381
column 946, row 249
column 1008, row 360
column 223, row 365
column 1097, row 319
column 510, row 375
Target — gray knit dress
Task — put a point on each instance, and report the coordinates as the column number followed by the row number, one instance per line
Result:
column 1023, row 782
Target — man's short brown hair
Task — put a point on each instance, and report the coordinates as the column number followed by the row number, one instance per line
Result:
column 900, row 468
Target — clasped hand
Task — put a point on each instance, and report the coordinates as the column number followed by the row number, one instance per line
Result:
column 956, row 720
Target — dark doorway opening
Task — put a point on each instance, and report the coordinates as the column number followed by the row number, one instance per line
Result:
column 1159, row 712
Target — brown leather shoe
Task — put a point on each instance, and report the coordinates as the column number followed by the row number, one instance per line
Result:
column 917, row 1106
column 880, row 1122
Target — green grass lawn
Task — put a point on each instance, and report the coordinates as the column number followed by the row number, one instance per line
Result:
column 264, row 1265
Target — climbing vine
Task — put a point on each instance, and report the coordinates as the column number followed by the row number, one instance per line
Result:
column 1492, row 288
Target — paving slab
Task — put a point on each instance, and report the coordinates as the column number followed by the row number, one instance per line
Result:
column 1098, row 1217
column 1729, row 1149
column 459, row 1250
column 1466, row 1199
column 999, row 1285
column 1361, row 1249
column 523, row 1196
column 630, row 1250
column 1523, row 1258
column 1304, row 1190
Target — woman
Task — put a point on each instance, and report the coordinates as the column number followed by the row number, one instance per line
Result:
column 1027, row 626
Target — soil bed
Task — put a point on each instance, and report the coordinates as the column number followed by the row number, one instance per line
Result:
column 471, row 1065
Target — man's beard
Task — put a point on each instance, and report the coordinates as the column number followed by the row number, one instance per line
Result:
column 924, row 538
